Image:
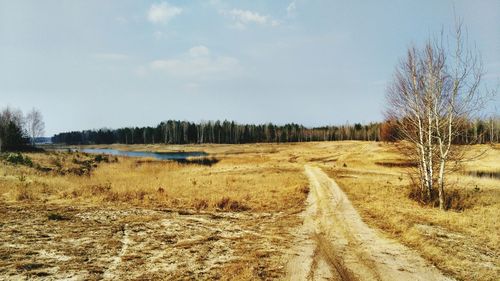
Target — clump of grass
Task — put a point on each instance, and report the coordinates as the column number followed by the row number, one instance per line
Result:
column 304, row 190
column 100, row 189
column 200, row 204
column 227, row 204
column 24, row 193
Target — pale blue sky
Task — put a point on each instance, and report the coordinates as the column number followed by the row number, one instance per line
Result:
column 92, row 64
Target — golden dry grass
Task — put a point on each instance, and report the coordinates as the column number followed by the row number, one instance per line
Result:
column 463, row 243
column 243, row 181
column 267, row 192
column 269, row 178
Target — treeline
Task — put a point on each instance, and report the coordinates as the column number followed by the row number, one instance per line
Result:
column 183, row 132
column 478, row 131
column 226, row 132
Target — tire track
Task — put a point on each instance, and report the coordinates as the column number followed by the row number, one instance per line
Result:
column 347, row 246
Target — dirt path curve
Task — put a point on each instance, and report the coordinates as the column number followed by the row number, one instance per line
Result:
column 337, row 245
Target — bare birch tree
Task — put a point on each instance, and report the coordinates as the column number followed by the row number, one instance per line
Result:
column 433, row 95
column 35, row 124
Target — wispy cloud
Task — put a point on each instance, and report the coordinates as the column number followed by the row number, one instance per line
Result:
column 110, row 56
column 163, row 12
column 291, row 9
column 242, row 18
column 197, row 63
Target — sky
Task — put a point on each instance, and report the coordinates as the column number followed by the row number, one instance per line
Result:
column 94, row 64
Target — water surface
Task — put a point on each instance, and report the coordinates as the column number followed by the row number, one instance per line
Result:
column 148, row 154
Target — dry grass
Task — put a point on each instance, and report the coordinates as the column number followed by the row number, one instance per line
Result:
column 463, row 243
column 228, row 221
column 247, row 181
column 268, row 178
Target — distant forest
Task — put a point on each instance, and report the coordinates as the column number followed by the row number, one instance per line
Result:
column 183, row 132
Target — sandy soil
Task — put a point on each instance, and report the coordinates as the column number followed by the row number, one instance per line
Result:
column 342, row 247
column 89, row 243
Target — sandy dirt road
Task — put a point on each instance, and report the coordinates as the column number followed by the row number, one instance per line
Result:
column 336, row 244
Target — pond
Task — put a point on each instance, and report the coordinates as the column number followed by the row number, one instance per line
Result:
column 148, row 154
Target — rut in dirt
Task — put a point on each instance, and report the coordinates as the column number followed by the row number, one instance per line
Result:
column 337, row 245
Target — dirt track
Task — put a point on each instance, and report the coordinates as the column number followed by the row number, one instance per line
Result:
column 337, row 245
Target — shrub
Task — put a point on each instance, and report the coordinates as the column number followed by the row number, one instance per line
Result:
column 18, row 159
column 101, row 158
column 457, row 200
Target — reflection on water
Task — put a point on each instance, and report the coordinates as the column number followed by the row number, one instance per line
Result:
column 148, row 154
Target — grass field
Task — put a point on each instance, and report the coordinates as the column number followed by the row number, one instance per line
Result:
column 233, row 219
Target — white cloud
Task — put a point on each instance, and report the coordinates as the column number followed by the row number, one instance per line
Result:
column 197, row 63
column 242, row 18
column 163, row 12
column 199, row 51
column 110, row 56
column 290, row 10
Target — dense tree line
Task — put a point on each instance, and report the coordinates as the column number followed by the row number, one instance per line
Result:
column 227, row 132
column 478, row 131
column 183, row 132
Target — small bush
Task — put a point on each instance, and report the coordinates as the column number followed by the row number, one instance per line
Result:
column 101, row 158
column 205, row 161
column 18, row 159
column 457, row 200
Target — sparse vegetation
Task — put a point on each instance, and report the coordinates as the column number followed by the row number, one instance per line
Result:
column 242, row 195
column 250, row 190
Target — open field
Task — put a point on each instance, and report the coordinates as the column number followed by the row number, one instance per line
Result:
column 75, row 216
column 212, row 219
